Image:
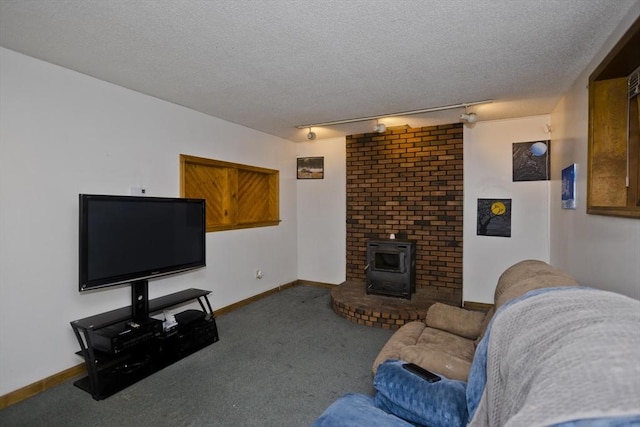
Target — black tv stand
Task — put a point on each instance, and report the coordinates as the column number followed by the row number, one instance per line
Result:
column 120, row 350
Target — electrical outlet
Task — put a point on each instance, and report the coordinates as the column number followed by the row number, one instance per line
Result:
column 259, row 274
column 137, row 191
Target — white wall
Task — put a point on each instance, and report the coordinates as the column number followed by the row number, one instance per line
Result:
column 64, row 133
column 322, row 208
column 488, row 174
column 600, row 251
column 488, row 148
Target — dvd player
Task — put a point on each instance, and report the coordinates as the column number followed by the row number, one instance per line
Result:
column 125, row 335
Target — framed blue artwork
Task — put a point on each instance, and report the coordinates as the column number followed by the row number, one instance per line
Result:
column 569, row 187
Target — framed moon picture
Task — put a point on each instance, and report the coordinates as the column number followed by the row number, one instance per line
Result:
column 494, row 217
column 531, row 161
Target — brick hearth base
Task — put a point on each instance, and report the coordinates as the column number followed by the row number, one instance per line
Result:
column 351, row 301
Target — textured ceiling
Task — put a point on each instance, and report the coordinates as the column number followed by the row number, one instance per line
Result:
column 273, row 64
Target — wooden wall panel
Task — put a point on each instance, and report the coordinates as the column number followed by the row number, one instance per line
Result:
column 238, row 196
column 607, row 180
column 253, row 197
column 211, row 184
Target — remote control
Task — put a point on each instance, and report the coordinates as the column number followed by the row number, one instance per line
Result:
column 421, row 372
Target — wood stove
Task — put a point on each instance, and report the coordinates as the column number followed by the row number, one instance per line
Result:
column 391, row 267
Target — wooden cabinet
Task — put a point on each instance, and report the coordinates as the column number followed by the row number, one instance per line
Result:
column 614, row 136
column 238, row 196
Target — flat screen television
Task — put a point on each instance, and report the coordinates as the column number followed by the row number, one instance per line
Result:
column 131, row 239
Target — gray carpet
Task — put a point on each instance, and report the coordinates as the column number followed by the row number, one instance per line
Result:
column 280, row 362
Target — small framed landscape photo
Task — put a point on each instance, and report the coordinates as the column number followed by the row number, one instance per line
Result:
column 310, row 167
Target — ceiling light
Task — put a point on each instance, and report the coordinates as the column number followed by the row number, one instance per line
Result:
column 469, row 118
column 311, row 135
column 379, row 127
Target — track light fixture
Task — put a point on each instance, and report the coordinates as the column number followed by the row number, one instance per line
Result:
column 469, row 118
column 311, row 135
column 403, row 113
column 379, row 127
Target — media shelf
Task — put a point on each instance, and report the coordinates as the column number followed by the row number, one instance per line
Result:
column 119, row 351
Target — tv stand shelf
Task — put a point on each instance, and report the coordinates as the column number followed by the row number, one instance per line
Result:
column 155, row 305
column 138, row 348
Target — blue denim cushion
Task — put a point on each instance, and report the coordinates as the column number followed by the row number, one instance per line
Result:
column 357, row 410
column 630, row 421
column 402, row 393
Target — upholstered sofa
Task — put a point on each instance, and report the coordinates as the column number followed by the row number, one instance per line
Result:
column 554, row 353
column 446, row 341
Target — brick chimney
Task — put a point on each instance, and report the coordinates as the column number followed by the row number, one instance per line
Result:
column 409, row 182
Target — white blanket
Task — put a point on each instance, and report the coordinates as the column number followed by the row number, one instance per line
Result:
column 565, row 355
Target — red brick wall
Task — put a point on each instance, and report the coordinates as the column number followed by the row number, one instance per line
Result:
column 409, row 182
